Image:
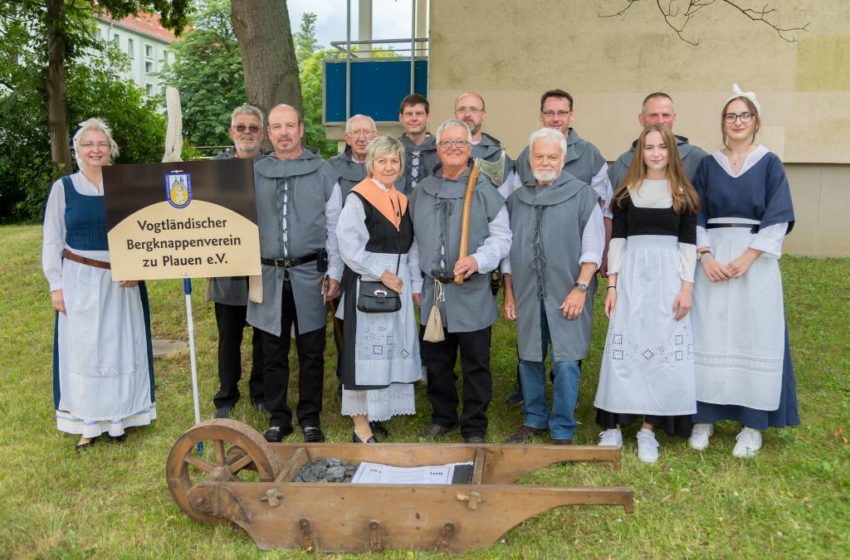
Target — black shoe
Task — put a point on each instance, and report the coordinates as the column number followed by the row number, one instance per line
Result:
column 474, row 439
column 224, row 411
column 524, row 434
column 379, row 429
column 515, row 397
column 356, row 439
column 81, row 447
column 435, row 430
column 313, row 434
column 275, row 434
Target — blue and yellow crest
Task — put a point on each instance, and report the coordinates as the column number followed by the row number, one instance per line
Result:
column 178, row 188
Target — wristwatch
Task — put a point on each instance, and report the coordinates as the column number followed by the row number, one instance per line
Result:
column 582, row 287
column 703, row 253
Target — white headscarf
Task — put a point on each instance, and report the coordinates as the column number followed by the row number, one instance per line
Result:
column 751, row 95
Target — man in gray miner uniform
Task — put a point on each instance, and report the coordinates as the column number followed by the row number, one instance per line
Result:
column 657, row 108
column 420, row 151
column 298, row 204
column 558, row 238
column 360, row 130
column 469, row 108
column 230, row 295
column 469, row 309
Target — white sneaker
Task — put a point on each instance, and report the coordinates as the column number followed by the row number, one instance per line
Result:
column 611, row 438
column 700, row 435
column 749, row 443
column 647, row 446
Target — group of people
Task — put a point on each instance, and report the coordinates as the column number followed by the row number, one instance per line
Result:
column 689, row 243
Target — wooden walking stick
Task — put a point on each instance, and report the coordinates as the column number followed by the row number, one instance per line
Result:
column 464, row 220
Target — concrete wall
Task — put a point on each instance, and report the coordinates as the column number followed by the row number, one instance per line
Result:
column 511, row 51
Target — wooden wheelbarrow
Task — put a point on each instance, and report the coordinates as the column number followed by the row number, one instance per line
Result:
column 236, row 476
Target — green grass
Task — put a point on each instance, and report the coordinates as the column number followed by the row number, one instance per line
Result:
column 792, row 501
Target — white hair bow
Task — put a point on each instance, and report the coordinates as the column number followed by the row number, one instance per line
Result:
column 751, row 95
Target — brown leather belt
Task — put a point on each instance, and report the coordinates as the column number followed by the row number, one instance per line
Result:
column 83, row 260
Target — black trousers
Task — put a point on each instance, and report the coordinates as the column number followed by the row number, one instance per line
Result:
column 230, row 320
column 439, row 359
column 311, row 368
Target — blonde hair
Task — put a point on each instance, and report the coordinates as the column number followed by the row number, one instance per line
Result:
column 685, row 196
column 94, row 124
column 381, row 146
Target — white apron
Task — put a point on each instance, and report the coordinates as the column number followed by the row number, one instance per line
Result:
column 648, row 367
column 739, row 326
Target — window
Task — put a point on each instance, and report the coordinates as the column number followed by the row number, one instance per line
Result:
column 116, row 39
column 148, row 67
column 148, row 51
column 149, row 89
column 130, row 48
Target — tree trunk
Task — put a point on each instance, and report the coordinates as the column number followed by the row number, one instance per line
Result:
column 57, row 111
column 268, row 53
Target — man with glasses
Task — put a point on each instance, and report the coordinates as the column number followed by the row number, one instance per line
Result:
column 657, row 108
column 230, row 295
column 419, row 148
column 298, row 205
column 360, row 130
column 469, row 309
column 469, row 108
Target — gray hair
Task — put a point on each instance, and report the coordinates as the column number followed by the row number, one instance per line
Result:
column 247, row 110
column 94, row 124
column 548, row 134
column 381, row 146
column 454, row 123
column 367, row 117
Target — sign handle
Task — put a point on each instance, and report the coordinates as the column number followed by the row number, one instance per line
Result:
column 187, row 290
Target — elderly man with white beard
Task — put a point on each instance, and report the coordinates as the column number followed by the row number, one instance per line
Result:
column 558, row 239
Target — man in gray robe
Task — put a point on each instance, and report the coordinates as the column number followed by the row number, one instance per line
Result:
column 298, row 204
column 470, row 108
column 469, row 309
column 558, row 237
column 360, row 130
column 230, row 295
column 419, row 148
column 657, row 108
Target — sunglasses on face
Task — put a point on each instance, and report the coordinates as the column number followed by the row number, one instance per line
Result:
column 243, row 128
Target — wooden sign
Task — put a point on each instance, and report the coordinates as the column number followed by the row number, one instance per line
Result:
column 182, row 220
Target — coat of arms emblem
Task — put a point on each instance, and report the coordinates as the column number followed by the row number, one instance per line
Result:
column 178, row 188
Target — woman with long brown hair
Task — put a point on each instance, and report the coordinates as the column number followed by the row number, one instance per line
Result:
column 647, row 368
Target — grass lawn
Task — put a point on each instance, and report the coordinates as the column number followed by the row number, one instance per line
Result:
column 792, row 501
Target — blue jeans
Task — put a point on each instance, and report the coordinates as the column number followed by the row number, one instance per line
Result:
column 561, row 421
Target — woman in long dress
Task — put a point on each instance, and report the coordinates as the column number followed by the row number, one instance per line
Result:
column 102, row 357
column 743, row 357
column 647, row 368
column 381, row 350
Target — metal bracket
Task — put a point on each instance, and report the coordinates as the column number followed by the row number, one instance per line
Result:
column 472, row 500
column 447, row 533
column 306, row 535
column 272, row 497
column 376, row 542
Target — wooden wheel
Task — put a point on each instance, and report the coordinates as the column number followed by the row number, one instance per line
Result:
column 232, row 451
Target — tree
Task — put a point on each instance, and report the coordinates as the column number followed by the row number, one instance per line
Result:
column 268, row 53
column 678, row 13
column 207, row 71
column 305, row 39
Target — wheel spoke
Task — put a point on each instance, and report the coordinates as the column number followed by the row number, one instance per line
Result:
column 237, row 466
column 219, row 451
column 199, row 463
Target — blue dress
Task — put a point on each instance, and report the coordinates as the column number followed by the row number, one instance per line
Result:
column 733, row 210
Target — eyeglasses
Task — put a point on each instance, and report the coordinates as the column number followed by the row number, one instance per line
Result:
column 90, row 145
column 472, row 110
column 459, row 144
column 551, row 113
column 242, row 128
column 745, row 117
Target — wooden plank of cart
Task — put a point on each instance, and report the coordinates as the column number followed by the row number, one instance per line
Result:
column 245, row 480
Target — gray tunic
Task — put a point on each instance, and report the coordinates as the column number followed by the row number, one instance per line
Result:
column 350, row 172
column 490, row 149
column 691, row 156
column 428, row 160
column 436, row 208
column 584, row 160
column 230, row 290
column 547, row 226
column 308, row 183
